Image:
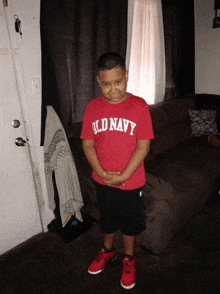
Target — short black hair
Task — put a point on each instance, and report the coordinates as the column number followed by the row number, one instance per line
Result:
column 110, row 60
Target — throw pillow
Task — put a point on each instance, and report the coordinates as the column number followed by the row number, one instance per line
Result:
column 203, row 122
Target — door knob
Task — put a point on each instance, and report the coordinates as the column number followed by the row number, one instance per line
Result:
column 16, row 123
column 20, row 141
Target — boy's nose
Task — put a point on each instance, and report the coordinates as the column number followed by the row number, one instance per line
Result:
column 113, row 89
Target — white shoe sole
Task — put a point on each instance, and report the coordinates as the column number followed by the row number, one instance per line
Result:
column 128, row 287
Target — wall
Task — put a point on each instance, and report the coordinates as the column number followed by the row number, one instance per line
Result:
column 207, row 49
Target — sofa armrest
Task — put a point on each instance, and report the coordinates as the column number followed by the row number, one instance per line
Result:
column 158, row 208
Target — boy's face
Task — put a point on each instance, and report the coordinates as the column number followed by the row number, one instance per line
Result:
column 113, row 84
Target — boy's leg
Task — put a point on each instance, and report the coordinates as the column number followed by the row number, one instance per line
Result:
column 128, row 273
column 132, row 226
column 128, row 244
column 108, row 240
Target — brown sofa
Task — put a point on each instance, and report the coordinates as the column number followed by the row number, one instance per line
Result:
column 182, row 171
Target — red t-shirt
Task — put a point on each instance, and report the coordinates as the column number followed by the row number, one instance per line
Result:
column 115, row 128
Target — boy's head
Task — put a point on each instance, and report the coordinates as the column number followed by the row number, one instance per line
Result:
column 110, row 60
column 112, row 77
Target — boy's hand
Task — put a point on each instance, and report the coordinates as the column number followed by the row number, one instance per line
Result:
column 113, row 178
column 106, row 175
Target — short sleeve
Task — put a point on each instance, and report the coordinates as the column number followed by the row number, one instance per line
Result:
column 145, row 128
column 87, row 131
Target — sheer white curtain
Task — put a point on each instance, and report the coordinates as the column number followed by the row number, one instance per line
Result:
column 145, row 56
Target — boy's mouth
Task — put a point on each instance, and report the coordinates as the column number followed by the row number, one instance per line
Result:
column 115, row 96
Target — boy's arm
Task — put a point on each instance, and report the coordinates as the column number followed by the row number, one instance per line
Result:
column 141, row 151
column 90, row 153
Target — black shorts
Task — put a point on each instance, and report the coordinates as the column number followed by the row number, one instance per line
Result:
column 121, row 210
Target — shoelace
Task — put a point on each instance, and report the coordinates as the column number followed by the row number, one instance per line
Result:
column 127, row 267
column 100, row 256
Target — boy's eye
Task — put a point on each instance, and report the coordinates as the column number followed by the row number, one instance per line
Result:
column 106, row 85
column 118, row 82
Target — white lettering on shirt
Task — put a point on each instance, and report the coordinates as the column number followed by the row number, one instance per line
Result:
column 113, row 124
column 119, row 128
column 97, row 127
column 94, row 128
column 126, row 123
column 104, row 124
column 132, row 127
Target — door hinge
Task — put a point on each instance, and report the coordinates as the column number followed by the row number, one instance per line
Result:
column 5, row 3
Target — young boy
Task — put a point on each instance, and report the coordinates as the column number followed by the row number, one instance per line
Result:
column 116, row 135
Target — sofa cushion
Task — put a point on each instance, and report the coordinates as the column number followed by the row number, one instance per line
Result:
column 203, row 122
column 158, row 116
column 169, row 136
column 170, row 112
column 177, row 109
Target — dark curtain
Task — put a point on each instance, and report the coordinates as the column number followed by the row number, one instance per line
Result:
column 178, row 18
column 74, row 33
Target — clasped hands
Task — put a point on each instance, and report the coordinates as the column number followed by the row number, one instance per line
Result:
column 112, row 178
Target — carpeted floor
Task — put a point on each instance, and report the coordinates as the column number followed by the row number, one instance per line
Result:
column 45, row 264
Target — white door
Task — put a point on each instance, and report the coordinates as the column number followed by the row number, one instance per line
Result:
column 19, row 213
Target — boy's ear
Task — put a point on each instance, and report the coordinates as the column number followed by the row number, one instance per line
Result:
column 98, row 79
column 126, row 75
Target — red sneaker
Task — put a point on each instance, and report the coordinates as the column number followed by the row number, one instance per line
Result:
column 98, row 265
column 128, row 273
